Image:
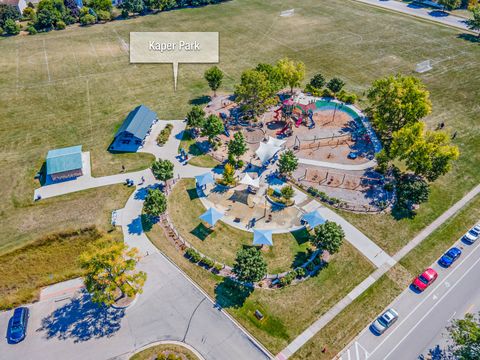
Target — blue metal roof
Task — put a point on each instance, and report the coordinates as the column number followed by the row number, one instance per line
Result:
column 138, row 122
column 65, row 159
column 204, row 179
column 262, row 237
column 211, row 216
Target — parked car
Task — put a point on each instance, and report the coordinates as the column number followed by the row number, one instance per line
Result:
column 384, row 321
column 472, row 235
column 425, row 279
column 450, row 256
column 17, row 326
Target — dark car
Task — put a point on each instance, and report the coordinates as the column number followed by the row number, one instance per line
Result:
column 17, row 327
column 450, row 256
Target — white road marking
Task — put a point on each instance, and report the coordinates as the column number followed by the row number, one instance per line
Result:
column 447, row 284
column 46, row 60
column 433, row 307
column 434, row 297
column 423, row 301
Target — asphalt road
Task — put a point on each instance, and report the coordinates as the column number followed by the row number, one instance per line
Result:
column 170, row 308
column 423, row 317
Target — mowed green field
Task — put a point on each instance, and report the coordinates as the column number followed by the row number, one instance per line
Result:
column 76, row 86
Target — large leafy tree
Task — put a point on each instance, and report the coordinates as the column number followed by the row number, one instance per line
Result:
column 196, row 117
column 132, row 6
column 329, row 236
column 465, row 335
column 273, row 75
column 8, row 12
column 249, row 265
column 287, row 163
column 291, row 72
column 429, row 154
column 110, row 272
column 155, row 203
column 411, row 190
column 255, row 92
column 397, row 101
column 335, row 84
column 214, row 77
column 212, row 127
column 474, row 22
column 317, row 81
column 450, row 4
column 237, row 146
column 162, row 169
column 72, row 6
column 11, row 27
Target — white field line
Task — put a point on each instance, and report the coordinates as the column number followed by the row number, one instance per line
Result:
column 46, row 61
column 89, row 108
column 72, row 50
column 95, row 53
column 17, row 71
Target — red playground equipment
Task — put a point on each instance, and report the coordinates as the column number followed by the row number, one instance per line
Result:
column 299, row 121
column 286, row 130
column 278, row 113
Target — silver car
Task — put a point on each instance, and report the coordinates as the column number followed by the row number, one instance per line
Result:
column 473, row 234
column 384, row 321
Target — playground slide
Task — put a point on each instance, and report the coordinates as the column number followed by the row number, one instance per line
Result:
column 281, row 132
column 227, row 133
column 278, row 113
column 299, row 121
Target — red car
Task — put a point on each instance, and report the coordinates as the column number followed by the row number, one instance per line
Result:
column 424, row 280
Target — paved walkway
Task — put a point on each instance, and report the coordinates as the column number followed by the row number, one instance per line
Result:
column 420, row 11
column 305, row 336
column 358, row 167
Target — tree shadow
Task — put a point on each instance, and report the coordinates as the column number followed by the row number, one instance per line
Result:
column 142, row 193
column 231, row 294
column 400, row 213
column 200, row 100
column 82, row 320
column 201, row 231
column 41, row 176
column 193, row 194
column 300, row 258
column 469, row 37
column 148, row 221
column 135, row 227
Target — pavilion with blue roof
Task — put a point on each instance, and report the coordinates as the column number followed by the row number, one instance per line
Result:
column 204, row 179
column 262, row 237
column 131, row 135
column 64, row 163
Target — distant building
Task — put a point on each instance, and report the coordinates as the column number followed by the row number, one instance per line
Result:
column 19, row 4
column 65, row 163
column 131, row 135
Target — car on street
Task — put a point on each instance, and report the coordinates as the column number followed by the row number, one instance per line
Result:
column 450, row 256
column 17, row 326
column 384, row 321
column 472, row 235
column 425, row 279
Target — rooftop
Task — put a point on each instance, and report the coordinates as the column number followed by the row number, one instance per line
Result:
column 64, row 159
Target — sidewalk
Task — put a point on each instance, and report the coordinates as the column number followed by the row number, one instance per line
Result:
column 420, row 11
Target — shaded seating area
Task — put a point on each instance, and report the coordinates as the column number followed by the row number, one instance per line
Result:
column 262, row 237
column 313, row 219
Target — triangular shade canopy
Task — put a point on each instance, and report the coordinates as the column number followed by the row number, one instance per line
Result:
column 262, row 237
column 275, row 142
column 266, row 151
column 204, row 179
column 211, row 216
column 313, row 218
column 247, row 180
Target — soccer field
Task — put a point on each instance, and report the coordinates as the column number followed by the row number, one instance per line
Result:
column 76, row 86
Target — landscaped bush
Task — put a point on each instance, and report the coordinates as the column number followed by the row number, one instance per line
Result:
column 164, row 135
column 310, row 266
column 31, row 30
column 104, row 15
column 60, row 25
column 218, row 267
column 324, row 197
column 193, row 255
column 300, row 272
column 278, row 197
column 208, row 262
column 346, row 97
column 328, row 93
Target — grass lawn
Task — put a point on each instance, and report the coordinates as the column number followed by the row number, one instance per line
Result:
column 197, row 156
column 49, row 260
column 223, row 242
column 152, row 352
column 206, row 161
column 76, row 86
column 287, row 311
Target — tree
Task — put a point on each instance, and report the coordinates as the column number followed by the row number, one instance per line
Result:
column 238, row 146
column 291, row 72
column 287, row 163
column 449, row 4
column 273, row 76
column 105, row 5
column 214, row 77
column 8, row 12
column 335, row 84
column 87, row 19
column 429, row 154
column 11, row 27
column 228, row 174
column 287, row 192
column 162, row 170
column 132, row 6
column 212, row 127
column 196, row 117
column 465, row 335
column 317, row 81
column 329, row 236
column 110, row 272
column 72, row 6
column 474, row 23
column 249, row 265
column 30, row 14
column 411, row 190
column 397, row 101
column 155, row 203
column 255, row 92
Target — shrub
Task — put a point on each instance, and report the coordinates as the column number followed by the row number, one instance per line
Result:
column 287, row 192
column 104, row 15
column 208, row 262
column 87, row 19
column 328, row 93
column 164, row 135
column 301, row 272
column 193, row 255
column 31, row 30
column 60, row 25
column 11, row 27
column 218, row 267
column 310, row 266
column 1, row 31
column 240, row 164
column 317, row 260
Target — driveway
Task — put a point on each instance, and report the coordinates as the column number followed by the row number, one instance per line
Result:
column 171, row 308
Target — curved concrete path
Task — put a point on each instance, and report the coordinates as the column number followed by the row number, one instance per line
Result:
column 354, row 167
